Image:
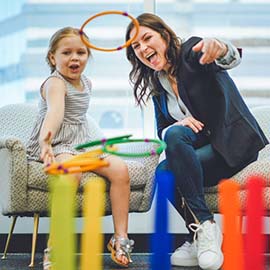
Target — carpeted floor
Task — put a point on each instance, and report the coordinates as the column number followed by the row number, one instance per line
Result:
column 140, row 262
column 20, row 262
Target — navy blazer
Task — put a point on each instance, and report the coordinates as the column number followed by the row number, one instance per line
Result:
column 212, row 98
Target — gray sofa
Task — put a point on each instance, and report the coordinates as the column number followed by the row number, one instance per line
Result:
column 24, row 185
column 260, row 167
column 24, row 189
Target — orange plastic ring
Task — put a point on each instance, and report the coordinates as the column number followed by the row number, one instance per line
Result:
column 88, row 44
column 83, row 162
column 72, row 168
column 86, row 161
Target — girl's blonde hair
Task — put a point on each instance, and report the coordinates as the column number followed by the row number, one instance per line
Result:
column 56, row 37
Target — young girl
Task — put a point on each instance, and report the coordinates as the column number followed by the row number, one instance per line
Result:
column 62, row 124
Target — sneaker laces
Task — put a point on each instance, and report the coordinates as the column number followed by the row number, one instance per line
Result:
column 205, row 235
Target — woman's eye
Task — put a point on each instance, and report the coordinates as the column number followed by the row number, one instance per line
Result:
column 147, row 37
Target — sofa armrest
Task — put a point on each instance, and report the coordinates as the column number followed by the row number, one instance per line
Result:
column 13, row 176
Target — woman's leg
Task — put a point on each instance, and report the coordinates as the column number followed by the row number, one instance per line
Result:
column 196, row 164
column 177, row 201
column 186, row 166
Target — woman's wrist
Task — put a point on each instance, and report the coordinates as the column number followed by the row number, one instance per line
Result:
column 224, row 49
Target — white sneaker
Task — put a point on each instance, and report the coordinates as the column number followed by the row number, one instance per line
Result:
column 186, row 255
column 209, row 241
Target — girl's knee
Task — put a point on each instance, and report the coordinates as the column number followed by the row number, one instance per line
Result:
column 123, row 171
column 122, row 168
column 120, row 173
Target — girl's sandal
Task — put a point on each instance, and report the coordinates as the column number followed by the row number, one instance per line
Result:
column 125, row 248
column 47, row 263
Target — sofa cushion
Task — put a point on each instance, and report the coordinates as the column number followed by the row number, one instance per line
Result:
column 260, row 167
column 213, row 201
column 37, row 179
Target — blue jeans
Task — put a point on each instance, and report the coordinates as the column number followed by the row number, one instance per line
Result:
column 195, row 165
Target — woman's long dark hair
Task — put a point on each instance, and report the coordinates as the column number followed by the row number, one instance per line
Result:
column 141, row 76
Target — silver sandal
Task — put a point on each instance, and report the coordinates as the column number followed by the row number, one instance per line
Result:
column 125, row 249
column 47, row 263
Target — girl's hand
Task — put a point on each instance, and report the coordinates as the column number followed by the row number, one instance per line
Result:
column 192, row 123
column 211, row 48
column 47, row 155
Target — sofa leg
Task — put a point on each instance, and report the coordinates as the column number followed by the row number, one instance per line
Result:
column 14, row 219
column 34, row 239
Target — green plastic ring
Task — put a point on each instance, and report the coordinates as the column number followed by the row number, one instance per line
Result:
column 159, row 150
column 102, row 141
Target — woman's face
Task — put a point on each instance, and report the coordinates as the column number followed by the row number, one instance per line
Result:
column 150, row 48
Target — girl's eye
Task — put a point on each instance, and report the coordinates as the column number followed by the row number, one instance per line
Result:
column 66, row 53
column 82, row 52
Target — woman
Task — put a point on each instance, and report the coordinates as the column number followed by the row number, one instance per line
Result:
column 209, row 130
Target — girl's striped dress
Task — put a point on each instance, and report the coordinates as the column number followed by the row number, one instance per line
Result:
column 74, row 129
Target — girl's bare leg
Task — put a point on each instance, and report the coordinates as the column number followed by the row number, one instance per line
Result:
column 117, row 174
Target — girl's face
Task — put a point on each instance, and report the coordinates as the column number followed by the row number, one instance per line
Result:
column 150, row 48
column 70, row 57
